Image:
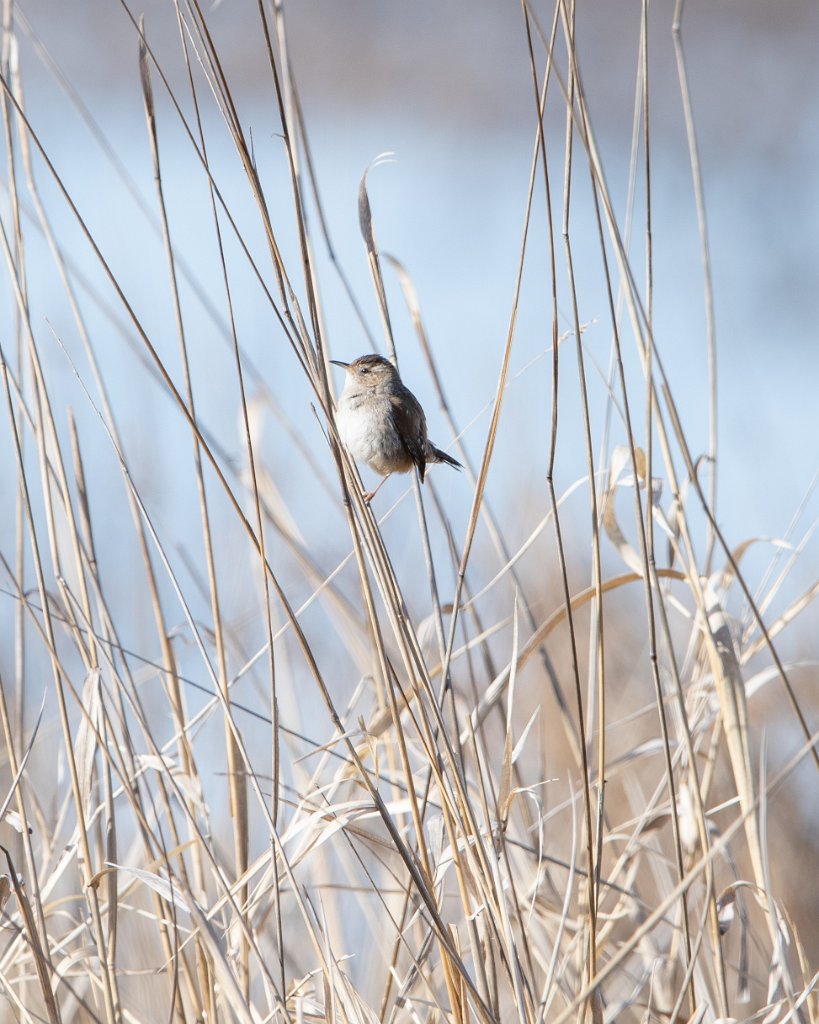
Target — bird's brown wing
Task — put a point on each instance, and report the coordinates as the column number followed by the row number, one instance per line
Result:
column 409, row 420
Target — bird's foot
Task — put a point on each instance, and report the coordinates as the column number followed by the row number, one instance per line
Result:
column 369, row 495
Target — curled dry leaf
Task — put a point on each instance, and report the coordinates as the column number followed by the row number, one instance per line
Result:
column 620, row 462
column 188, row 785
column 13, row 819
column 524, row 735
column 686, row 816
column 5, row 890
column 85, row 748
column 365, row 217
column 617, row 537
column 426, row 628
column 435, row 835
column 162, row 886
column 726, row 909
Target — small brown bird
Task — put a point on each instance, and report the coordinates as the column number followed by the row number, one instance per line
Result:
column 381, row 422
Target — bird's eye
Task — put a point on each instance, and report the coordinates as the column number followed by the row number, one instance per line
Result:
column 365, row 369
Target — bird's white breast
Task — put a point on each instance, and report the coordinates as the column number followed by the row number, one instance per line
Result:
column 366, row 429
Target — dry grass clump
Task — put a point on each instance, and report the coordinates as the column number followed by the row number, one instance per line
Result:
column 305, row 759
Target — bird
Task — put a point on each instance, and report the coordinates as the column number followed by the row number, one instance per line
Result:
column 381, row 422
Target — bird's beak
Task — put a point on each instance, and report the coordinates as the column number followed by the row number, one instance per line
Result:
column 338, row 362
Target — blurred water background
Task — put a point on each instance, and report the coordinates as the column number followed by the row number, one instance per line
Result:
column 446, row 87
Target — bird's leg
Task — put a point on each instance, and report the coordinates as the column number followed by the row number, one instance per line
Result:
column 369, row 495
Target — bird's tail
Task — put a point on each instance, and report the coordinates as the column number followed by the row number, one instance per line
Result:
column 436, row 455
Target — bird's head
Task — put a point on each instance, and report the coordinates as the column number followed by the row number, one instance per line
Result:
column 370, row 371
